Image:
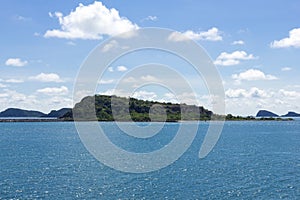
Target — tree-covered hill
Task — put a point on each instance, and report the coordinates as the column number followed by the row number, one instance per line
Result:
column 139, row 110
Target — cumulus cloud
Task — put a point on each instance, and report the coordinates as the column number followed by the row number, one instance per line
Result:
column 238, row 42
column 212, row 34
column 51, row 77
column 234, row 58
column 90, row 22
column 292, row 41
column 252, row 75
column 121, row 68
column 54, row 91
column 16, row 62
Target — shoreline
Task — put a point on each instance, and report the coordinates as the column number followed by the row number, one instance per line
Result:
column 179, row 121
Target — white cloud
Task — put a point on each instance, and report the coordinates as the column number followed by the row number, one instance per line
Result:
column 14, row 81
column 234, row 58
column 292, row 41
column 286, row 69
column 51, row 77
column 252, row 75
column 238, row 42
column 121, row 68
column 54, row 91
column 90, row 22
column 212, row 34
column 16, row 62
column 109, row 81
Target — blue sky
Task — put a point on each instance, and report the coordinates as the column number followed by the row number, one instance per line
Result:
column 255, row 46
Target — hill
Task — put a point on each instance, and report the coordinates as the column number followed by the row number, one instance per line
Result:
column 138, row 109
column 58, row 113
column 265, row 113
column 291, row 114
column 16, row 112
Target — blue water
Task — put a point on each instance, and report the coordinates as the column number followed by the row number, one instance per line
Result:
column 252, row 160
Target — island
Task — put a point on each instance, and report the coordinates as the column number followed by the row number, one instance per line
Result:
column 131, row 109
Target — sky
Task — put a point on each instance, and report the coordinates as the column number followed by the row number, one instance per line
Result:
column 255, row 46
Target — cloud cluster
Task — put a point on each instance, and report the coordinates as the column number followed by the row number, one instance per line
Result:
column 292, row 41
column 212, row 34
column 253, row 92
column 234, row 58
column 90, row 22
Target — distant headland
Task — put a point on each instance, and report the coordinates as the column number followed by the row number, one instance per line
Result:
column 266, row 113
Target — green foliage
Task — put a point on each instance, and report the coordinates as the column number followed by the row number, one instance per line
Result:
column 126, row 109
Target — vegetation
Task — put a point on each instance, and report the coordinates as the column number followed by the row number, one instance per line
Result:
column 99, row 107
column 126, row 109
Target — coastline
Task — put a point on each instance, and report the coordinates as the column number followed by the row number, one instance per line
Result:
column 3, row 120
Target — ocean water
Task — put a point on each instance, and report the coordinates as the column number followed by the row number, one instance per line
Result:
column 252, row 160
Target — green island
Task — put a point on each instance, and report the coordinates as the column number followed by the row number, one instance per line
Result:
column 127, row 109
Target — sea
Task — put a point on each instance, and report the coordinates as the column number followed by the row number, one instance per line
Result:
column 251, row 160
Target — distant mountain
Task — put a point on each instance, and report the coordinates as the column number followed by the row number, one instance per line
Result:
column 265, row 113
column 16, row 112
column 58, row 113
column 291, row 114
